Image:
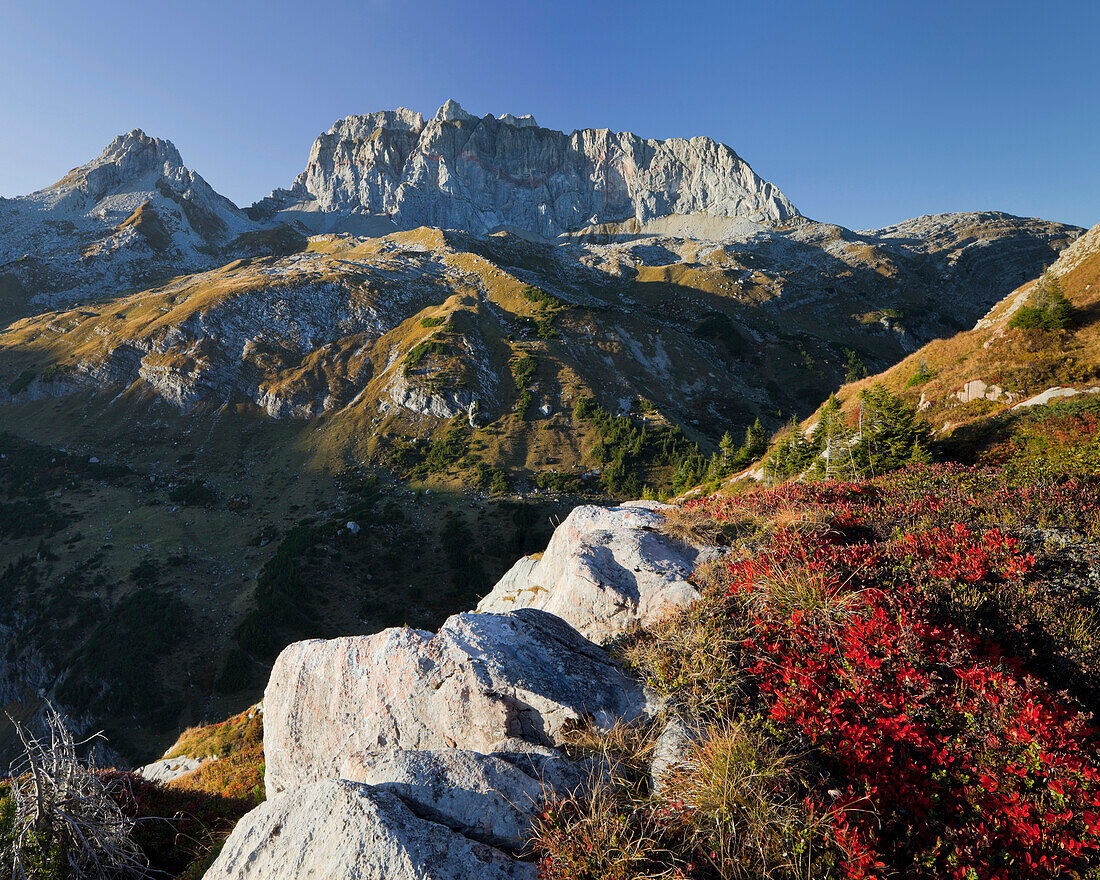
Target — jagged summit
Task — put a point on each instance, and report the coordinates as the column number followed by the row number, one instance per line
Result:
column 391, row 169
column 133, row 214
column 128, row 157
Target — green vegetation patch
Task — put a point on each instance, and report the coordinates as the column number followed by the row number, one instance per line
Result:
column 21, row 382
column 193, row 493
column 633, row 453
column 422, row 349
column 283, row 594
column 1046, row 309
column 151, row 623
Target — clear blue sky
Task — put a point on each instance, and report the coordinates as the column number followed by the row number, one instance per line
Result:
column 863, row 113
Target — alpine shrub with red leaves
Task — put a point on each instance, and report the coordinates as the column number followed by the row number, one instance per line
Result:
column 907, row 650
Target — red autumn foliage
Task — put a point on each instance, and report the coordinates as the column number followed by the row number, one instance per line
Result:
column 950, row 762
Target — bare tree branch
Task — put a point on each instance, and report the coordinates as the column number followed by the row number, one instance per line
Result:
column 65, row 812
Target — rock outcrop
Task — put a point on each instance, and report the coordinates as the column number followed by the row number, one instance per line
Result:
column 481, row 679
column 407, row 754
column 336, row 829
column 604, row 570
column 167, row 769
column 481, row 174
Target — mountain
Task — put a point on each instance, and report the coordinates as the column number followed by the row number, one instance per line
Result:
column 1002, row 364
column 232, row 435
column 396, row 335
column 392, row 170
column 131, row 216
column 1019, row 390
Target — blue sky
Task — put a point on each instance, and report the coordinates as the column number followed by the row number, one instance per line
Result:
column 863, row 113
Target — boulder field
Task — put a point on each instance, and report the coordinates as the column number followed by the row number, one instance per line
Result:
column 407, row 754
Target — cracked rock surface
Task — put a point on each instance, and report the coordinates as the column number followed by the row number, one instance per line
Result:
column 604, row 570
column 481, row 679
column 336, row 829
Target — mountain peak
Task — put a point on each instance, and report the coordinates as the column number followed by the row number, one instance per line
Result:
column 525, row 121
column 452, row 111
column 515, row 175
column 127, row 157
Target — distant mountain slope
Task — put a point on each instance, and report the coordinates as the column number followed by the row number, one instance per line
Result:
column 395, row 336
column 995, row 365
column 130, row 216
column 392, row 170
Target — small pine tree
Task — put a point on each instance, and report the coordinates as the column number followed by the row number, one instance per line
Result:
column 836, row 460
column 755, row 445
column 889, row 432
column 725, row 449
column 854, row 367
column 1046, row 309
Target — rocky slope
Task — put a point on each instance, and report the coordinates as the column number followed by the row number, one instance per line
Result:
column 133, row 214
column 394, row 336
column 392, row 169
column 993, row 367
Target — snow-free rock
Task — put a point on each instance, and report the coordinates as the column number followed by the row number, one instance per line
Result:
column 167, row 769
column 483, row 797
column 604, row 570
column 480, row 174
column 481, row 679
column 336, row 829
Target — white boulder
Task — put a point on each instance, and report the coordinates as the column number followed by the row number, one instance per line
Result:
column 481, row 679
column 603, row 570
column 167, row 769
column 336, row 829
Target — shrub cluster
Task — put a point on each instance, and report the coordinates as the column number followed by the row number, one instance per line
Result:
column 869, row 643
column 549, row 307
column 1046, row 309
column 880, row 435
column 630, row 451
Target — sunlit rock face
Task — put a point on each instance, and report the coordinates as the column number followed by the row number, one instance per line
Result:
column 459, row 171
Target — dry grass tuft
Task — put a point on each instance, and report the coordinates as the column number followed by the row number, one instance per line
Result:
column 601, row 834
column 626, row 750
column 700, row 525
column 691, row 656
column 742, row 792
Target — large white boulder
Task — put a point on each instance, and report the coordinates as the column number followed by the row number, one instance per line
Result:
column 483, row 797
column 481, row 679
column 336, row 829
column 167, row 769
column 604, row 570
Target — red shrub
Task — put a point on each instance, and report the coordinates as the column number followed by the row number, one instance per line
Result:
column 947, row 761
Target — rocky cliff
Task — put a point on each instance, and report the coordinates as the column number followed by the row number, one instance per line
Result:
column 458, row 171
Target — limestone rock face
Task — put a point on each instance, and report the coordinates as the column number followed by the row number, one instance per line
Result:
column 335, row 829
column 481, row 174
column 483, row 797
column 167, row 769
column 603, row 570
column 481, row 679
